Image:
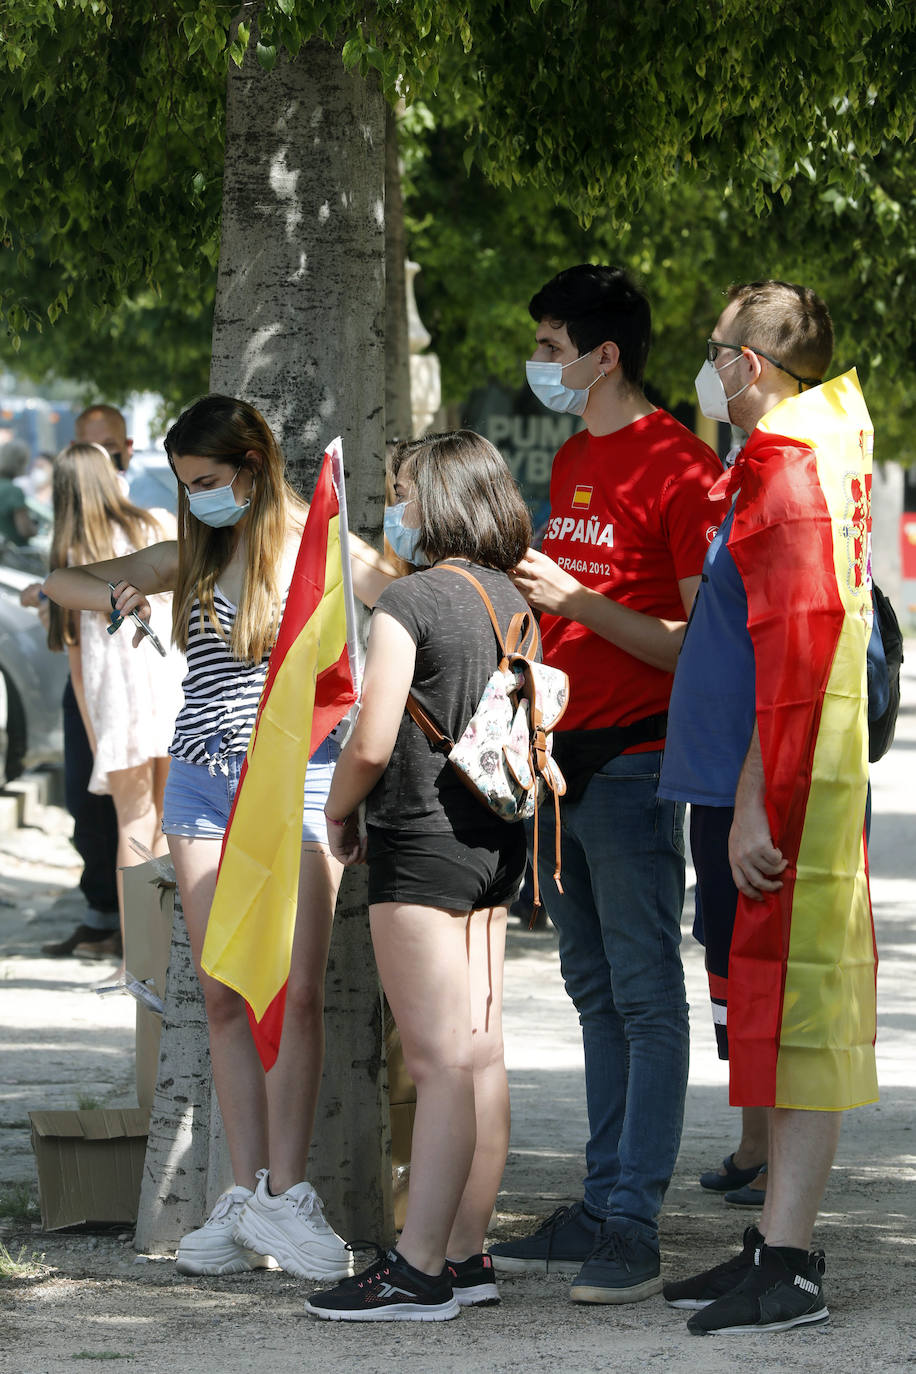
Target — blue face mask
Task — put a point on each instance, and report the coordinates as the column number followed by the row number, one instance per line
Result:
column 217, row 507
column 403, row 538
column 546, row 381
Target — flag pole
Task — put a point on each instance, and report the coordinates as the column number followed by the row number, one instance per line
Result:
column 335, row 449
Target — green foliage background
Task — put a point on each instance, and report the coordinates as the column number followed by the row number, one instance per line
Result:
column 696, row 144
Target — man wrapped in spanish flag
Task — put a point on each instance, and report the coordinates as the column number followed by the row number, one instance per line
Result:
column 768, row 740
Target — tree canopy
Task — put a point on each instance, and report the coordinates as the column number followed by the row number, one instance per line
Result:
column 677, row 138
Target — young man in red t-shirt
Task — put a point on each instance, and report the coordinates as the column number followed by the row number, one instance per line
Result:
column 629, row 527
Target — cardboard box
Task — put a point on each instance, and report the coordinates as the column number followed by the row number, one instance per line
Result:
column 89, row 1165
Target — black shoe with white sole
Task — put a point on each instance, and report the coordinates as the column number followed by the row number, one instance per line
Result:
column 473, row 1281
column 774, row 1296
column 702, row 1289
column 390, row 1290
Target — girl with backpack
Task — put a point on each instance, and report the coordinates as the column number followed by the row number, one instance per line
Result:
column 239, row 527
column 443, row 870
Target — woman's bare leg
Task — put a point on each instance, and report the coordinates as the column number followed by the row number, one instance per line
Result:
column 237, row 1072
column 486, row 950
column 422, row 959
column 294, row 1080
column 159, row 843
column 132, row 791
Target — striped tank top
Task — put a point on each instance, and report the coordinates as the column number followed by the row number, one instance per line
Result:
column 221, row 694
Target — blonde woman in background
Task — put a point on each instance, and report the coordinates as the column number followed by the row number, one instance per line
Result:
column 128, row 700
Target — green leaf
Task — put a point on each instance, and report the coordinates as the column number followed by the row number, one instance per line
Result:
column 267, row 56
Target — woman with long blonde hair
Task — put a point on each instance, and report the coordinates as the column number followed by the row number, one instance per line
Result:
column 128, row 701
column 239, row 526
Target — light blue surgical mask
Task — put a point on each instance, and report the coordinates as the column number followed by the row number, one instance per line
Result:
column 546, row 381
column 403, row 538
column 217, row 507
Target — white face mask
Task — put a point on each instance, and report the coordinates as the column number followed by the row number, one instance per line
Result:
column 711, row 395
column 546, row 381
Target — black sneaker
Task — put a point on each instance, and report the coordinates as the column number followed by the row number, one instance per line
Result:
column 623, row 1267
column 473, row 1281
column 390, row 1290
column 704, row 1288
column 772, row 1297
column 561, row 1245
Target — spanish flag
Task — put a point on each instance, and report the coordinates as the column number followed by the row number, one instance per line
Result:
column 308, row 689
column 801, row 979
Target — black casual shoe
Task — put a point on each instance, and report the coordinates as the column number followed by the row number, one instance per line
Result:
column 772, row 1297
column 473, row 1281
column 83, row 935
column 560, row 1245
column 702, row 1289
column 623, row 1267
column 390, row 1290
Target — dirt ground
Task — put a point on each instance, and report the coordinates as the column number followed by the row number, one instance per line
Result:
column 92, row 1299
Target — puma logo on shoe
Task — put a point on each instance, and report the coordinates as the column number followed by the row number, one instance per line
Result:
column 806, row 1285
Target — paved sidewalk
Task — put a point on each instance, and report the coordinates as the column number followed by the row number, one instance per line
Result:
column 63, row 1047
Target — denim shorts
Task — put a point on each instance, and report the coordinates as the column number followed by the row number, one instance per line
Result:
column 197, row 802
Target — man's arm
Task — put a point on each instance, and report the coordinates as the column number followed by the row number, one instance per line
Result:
column 548, row 587
column 755, row 861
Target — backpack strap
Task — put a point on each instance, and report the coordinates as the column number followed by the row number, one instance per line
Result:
column 522, row 624
column 429, row 727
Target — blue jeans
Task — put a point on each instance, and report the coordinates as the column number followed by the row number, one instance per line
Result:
column 619, row 925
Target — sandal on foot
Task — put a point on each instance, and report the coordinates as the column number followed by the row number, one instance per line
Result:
column 749, row 1196
column 732, row 1178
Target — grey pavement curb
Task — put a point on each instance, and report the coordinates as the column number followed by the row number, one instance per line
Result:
column 19, row 799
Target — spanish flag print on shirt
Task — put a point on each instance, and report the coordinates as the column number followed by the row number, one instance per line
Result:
column 803, row 962
column 308, row 690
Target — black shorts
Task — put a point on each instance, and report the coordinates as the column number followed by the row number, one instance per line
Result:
column 468, row 870
column 717, row 903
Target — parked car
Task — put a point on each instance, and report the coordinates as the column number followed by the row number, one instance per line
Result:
column 33, row 681
column 151, row 481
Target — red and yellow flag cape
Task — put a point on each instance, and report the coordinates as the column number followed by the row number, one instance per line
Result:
column 308, row 689
column 801, row 980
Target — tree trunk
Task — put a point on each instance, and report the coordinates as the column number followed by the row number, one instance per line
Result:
column 186, row 1165
column 299, row 331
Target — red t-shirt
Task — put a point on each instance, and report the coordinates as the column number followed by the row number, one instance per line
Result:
column 630, row 517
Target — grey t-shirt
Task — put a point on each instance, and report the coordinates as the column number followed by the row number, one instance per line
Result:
column 456, row 655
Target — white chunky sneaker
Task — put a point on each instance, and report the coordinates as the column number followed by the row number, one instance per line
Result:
column 213, row 1249
column 293, row 1229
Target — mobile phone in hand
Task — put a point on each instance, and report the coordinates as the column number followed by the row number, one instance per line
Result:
column 117, row 620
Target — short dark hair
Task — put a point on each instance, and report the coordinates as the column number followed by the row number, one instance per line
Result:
column 469, row 504
column 595, row 304
column 789, row 322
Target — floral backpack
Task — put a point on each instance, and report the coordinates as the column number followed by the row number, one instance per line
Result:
column 504, row 753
